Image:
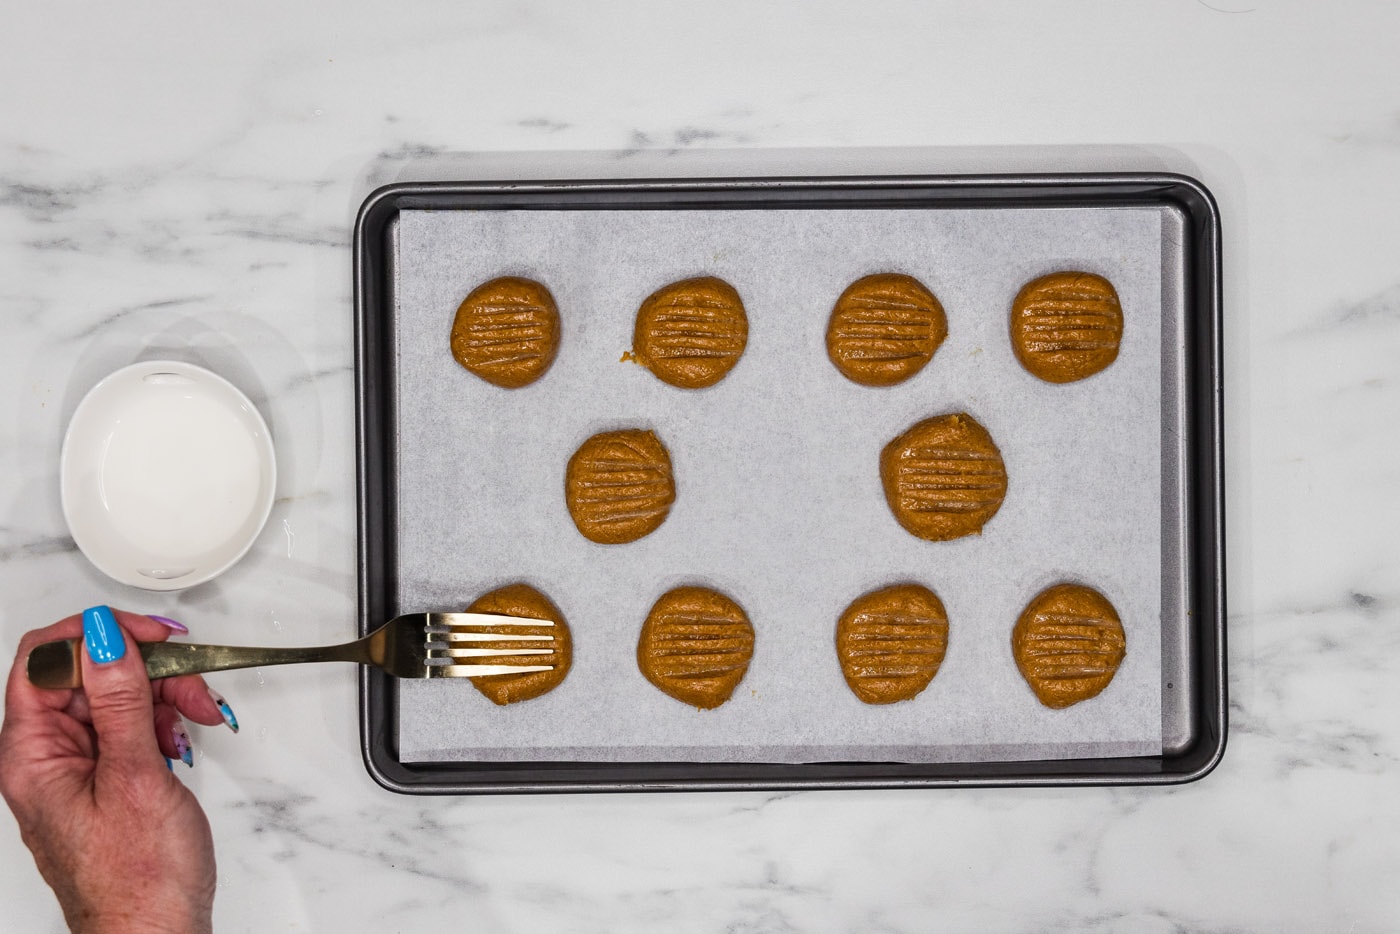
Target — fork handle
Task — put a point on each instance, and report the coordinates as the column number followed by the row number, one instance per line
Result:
column 58, row 665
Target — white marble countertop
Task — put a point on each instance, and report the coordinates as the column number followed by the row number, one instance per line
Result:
column 185, row 178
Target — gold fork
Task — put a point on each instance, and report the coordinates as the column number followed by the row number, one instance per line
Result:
column 417, row 645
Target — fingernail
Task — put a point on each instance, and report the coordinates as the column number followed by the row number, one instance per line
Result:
column 102, row 636
column 172, row 624
column 169, row 764
column 182, row 743
column 225, row 710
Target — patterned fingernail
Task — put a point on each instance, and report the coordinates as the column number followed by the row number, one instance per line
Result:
column 182, row 743
column 172, row 624
column 225, row 710
column 169, row 764
column 102, row 636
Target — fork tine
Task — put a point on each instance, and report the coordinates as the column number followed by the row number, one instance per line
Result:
column 481, row 671
column 486, row 637
column 485, row 653
column 442, row 622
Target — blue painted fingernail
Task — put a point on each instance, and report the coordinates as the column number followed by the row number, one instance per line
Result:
column 102, row 636
column 169, row 764
column 182, row 743
column 225, row 710
column 172, row 624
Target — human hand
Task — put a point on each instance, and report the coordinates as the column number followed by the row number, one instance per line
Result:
column 122, row 842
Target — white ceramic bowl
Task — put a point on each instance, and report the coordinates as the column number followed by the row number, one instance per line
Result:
column 167, row 475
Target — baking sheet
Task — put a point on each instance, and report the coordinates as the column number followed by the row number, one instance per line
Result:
column 779, row 501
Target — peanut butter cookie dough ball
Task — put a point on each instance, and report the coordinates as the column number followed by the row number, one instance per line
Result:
column 524, row 600
column 619, row 486
column 507, row 332
column 695, row 646
column 884, row 329
column 1068, row 644
column 944, row 478
column 891, row 642
column 691, row 333
column 1066, row 326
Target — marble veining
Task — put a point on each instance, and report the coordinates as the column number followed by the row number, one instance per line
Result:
column 184, row 180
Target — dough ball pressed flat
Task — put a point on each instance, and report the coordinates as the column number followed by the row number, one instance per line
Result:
column 695, row 646
column 691, row 333
column 507, row 331
column 1066, row 326
column 524, row 600
column 1068, row 644
column 884, row 329
column 891, row 642
column 619, row 486
column 944, row 478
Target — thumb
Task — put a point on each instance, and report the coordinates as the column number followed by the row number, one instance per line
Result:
column 119, row 695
